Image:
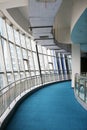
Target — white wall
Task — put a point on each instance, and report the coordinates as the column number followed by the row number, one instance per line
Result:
column 75, row 61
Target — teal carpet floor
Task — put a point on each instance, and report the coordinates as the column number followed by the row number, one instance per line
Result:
column 51, row 108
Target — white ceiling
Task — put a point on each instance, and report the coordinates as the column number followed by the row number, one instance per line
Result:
column 38, row 14
column 41, row 17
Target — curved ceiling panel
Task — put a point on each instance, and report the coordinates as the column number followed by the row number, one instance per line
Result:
column 79, row 32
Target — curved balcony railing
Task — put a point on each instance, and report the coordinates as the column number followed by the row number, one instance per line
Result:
column 81, row 87
column 10, row 94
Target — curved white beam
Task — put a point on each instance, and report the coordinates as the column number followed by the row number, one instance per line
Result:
column 6, row 4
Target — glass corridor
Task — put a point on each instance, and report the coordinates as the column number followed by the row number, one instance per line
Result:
column 25, row 64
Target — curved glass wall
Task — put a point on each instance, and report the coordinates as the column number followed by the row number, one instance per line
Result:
column 23, row 64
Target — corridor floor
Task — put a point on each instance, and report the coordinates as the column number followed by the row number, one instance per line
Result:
column 51, row 108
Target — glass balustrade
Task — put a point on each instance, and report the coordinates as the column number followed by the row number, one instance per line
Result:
column 81, row 87
column 11, row 92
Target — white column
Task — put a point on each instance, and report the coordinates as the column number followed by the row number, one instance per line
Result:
column 75, row 62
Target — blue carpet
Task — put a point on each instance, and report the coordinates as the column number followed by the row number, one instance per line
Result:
column 51, row 108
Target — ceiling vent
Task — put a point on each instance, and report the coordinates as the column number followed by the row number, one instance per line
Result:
column 46, row 1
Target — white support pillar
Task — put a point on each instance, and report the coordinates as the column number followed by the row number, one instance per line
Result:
column 75, row 61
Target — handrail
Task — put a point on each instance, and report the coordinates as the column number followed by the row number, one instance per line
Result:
column 12, row 91
column 17, row 81
column 21, row 80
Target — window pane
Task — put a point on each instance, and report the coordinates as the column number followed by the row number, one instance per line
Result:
column 44, row 50
column 39, row 48
column 10, row 33
column 24, row 54
column 1, row 81
column 16, row 36
column 37, row 73
column 10, row 78
column 22, row 40
column 31, row 63
column 55, row 64
column 46, row 62
column 59, row 63
column 6, row 55
column 48, row 51
column 17, row 76
column 69, row 62
column 13, row 57
column 22, row 75
column 1, row 59
column 50, row 62
column 32, row 73
column 41, row 61
column 33, row 44
column 20, row 60
column 28, row 43
column 35, row 61
column 3, row 28
column 53, row 53
column 26, row 65
column 27, row 74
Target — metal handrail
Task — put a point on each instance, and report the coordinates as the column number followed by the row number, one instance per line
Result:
column 10, row 93
column 17, row 81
